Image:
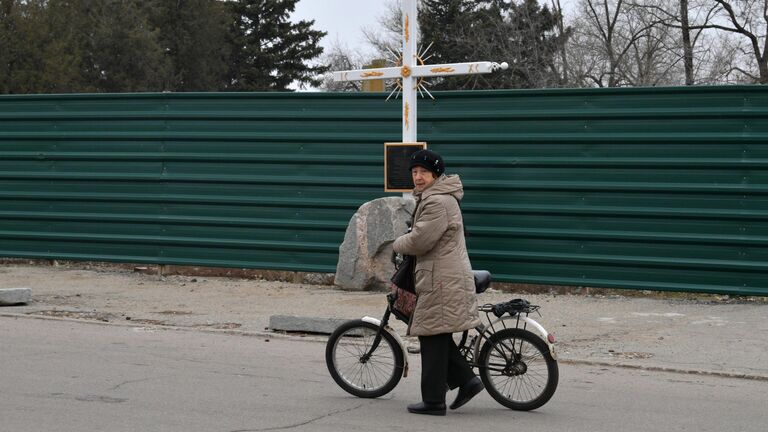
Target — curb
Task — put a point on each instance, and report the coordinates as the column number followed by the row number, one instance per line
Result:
column 738, row 375
column 159, row 327
column 322, row 339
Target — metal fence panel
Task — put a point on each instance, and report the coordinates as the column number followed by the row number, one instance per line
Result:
column 646, row 188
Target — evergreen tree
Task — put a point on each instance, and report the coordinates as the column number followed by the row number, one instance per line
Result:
column 458, row 31
column 268, row 51
column 443, row 25
column 66, row 64
column 520, row 33
column 193, row 35
column 62, row 46
column 8, row 41
column 126, row 55
column 534, row 44
column 22, row 34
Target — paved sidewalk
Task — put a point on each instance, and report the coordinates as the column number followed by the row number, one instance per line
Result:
column 705, row 334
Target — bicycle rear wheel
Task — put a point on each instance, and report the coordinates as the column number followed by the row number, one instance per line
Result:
column 360, row 374
column 518, row 369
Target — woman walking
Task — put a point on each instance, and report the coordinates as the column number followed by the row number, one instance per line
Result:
column 444, row 284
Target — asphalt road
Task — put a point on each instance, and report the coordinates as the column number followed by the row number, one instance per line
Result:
column 71, row 376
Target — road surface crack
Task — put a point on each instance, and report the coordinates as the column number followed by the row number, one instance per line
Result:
column 295, row 425
column 129, row 382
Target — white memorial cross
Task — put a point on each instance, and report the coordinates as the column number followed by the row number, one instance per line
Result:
column 412, row 69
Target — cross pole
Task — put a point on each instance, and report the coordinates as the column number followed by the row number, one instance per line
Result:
column 412, row 69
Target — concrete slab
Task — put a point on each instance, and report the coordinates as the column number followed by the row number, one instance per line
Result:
column 15, row 296
column 289, row 323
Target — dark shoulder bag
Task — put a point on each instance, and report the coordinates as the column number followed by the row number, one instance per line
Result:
column 404, row 285
column 403, row 277
column 404, row 289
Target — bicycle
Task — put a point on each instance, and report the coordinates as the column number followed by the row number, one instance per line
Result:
column 518, row 367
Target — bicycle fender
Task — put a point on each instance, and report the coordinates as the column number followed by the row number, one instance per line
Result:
column 390, row 330
column 540, row 330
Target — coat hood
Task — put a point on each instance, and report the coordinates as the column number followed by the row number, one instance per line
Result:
column 444, row 185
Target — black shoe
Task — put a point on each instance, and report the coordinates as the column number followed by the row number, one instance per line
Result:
column 427, row 408
column 467, row 392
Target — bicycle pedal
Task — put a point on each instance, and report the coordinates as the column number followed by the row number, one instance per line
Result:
column 414, row 349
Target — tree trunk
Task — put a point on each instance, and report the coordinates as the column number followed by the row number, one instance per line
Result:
column 761, row 59
column 763, row 65
column 563, row 53
column 687, row 47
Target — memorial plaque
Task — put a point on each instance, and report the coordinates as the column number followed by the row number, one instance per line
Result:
column 397, row 157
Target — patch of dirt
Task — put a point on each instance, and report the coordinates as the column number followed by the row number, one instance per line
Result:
column 147, row 321
column 95, row 316
column 630, row 355
column 220, row 326
column 173, row 312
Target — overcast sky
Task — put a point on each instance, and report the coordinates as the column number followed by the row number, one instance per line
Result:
column 344, row 19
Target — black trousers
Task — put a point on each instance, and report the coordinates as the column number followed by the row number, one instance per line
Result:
column 441, row 364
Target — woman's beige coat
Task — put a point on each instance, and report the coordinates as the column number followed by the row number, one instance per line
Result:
column 444, row 282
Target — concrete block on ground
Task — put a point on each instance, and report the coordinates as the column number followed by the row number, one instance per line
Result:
column 290, row 323
column 14, row 296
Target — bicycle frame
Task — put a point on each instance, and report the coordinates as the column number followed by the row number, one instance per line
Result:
column 383, row 325
column 483, row 332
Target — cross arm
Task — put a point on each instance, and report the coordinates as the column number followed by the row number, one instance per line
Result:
column 368, row 74
column 448, row 69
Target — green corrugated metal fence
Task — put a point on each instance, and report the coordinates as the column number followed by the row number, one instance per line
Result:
column 662, row 189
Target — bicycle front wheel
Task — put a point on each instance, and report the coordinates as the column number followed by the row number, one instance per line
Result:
column 518, row 369
column 355, row 368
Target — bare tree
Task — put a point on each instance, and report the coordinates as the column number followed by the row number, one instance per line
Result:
column 652, row 58
column 716, row 62
column 564, row 32
column 387, row 42
column 339, row 58
column 685, row 30
column 384, row 42
column 704, row 59
column 627, row 46
column 604, row 29
column 585, row 63
column 749, row 19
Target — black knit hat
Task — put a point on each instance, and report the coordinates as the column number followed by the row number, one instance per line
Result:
column 429, row 160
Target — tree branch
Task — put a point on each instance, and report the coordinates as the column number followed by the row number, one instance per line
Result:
column 597, row 20
column 738, row 69
column 728, row 8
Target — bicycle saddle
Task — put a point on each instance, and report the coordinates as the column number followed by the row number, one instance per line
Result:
column 482, row 280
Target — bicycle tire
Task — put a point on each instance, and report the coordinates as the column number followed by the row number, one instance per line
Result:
column 518, row 370
column 373, row 377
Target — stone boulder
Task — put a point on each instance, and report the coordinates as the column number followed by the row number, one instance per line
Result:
column 365, row 256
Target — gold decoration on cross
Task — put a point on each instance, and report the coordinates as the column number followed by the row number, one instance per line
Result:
column 442, row 69
column 371, row 74
column 406, row 108
column 406, row 28
column 405, row 72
